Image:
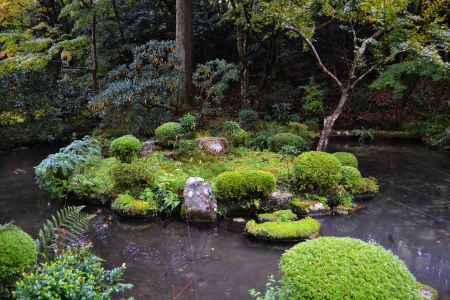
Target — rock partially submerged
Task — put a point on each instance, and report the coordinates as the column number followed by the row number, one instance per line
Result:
column 213, row 145
column 428, row 293
column 309, row 208
column 199, row 203
column 292, row 231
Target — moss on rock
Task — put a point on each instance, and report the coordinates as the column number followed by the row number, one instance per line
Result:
column 277, row 216
column 345, row 268
column 284, row 231
column 126, row 205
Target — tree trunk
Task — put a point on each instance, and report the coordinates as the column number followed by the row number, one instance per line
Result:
column 243, row 66
column 94, row 53
column 184, row 48
column 329, row 121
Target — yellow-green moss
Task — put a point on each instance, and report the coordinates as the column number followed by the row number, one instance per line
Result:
column 279, row 231
column 278, row 216
column 128, row 206
column 347, row 159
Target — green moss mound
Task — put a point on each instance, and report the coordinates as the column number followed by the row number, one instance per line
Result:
column 345, row 268
column 347, row 159
column 278, row 216
column 243, row 186
column 317, row 172
column 169, row 133
column 125, row 148
column 134, row 177
column 127, row 205
column 18, row 254
column 350, row 176
column 366, row 186
column 284, row 139
column 284, row 231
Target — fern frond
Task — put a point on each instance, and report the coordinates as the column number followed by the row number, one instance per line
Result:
column 63, row 230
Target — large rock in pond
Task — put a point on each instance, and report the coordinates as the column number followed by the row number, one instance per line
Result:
column 148, row 147
column 213, row 145
column 279, row 200
column 199, row 203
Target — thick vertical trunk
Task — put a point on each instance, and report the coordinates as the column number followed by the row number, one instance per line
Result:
column 243, row 66
column 329, row 121
column 94, row 52
column 184, row 48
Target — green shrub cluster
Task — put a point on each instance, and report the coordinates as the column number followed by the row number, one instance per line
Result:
column 125, row 148
column 189, row 123
column 243, row 186
column 293, row 230
column 186, row 148
column 345, row 268
column 133, row 177
column 281, row 140
column 248, row 118
column 18, row 254
column 72, row 275
column 350, row 176
column 169, row 133
column 317, row 172
column 366, row 186
column 127, row 205
column 347, row 159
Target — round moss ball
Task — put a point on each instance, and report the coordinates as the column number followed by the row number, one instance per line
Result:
column 125, row 147
column 345, row 268
column 347, row 159
column 350, row 176
column 283, row 139
column 168, row 133
column 317, row 172
column 18, row 253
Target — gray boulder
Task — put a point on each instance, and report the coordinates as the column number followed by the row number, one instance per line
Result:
column 199, row 203
column 148, row 147
column 279, row 200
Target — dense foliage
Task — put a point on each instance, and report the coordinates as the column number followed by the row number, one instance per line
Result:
column 345, row 268
column 125, row 148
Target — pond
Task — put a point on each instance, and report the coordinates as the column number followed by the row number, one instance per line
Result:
column 170, row 260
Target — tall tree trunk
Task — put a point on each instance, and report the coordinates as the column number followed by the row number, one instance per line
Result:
column 329, row 121
column 94, row 52
column 184, row 48
column 243, row 65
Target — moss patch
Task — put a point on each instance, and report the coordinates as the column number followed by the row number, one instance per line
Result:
column 126, row 205
column 347, row 159
column 277, row 216
column 284, row 231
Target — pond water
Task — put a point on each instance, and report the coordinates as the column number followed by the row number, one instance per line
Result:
column 169, row 260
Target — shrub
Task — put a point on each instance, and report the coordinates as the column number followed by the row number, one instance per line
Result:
column 186, row 147
column 345, row 268
column 347, row 159
column 18, row 254
column 366, row 186
column 231, row 127
column 188, row 122
column 341, row 197
column 278, row 216
column 350, row 176
column 239, row 138
column 283, row 139
column 132, row 177
column 317, row 172
column 125, row 148
column 54, row 171
column 261, row 140
column 127, row 205
column 244, row 186
column 248, row 118
column 293, row 230
column 168, row 133
column 73, row 275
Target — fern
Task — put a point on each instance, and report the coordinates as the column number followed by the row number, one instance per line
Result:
column 62, row 230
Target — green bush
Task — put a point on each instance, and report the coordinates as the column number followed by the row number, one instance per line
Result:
column 186, row 147
column 243, row 186
column 127, row 205
column 18, row 254
column 281, row 140
column 133, row 177
column 188, row 122
column 350, row 176
column 345, row 268
column 279, row 231
column 317, row 172
column 125, row 148
column 239, row 138
column 248, row 118
column 73, row 275
column 366, row 186
column 169, row 133
column 231, row 127
column 347, row 159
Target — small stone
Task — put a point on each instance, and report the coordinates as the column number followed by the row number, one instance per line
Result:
column 213, row 145
column 148, row 147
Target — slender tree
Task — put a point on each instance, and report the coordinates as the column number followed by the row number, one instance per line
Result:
column 184, row 47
